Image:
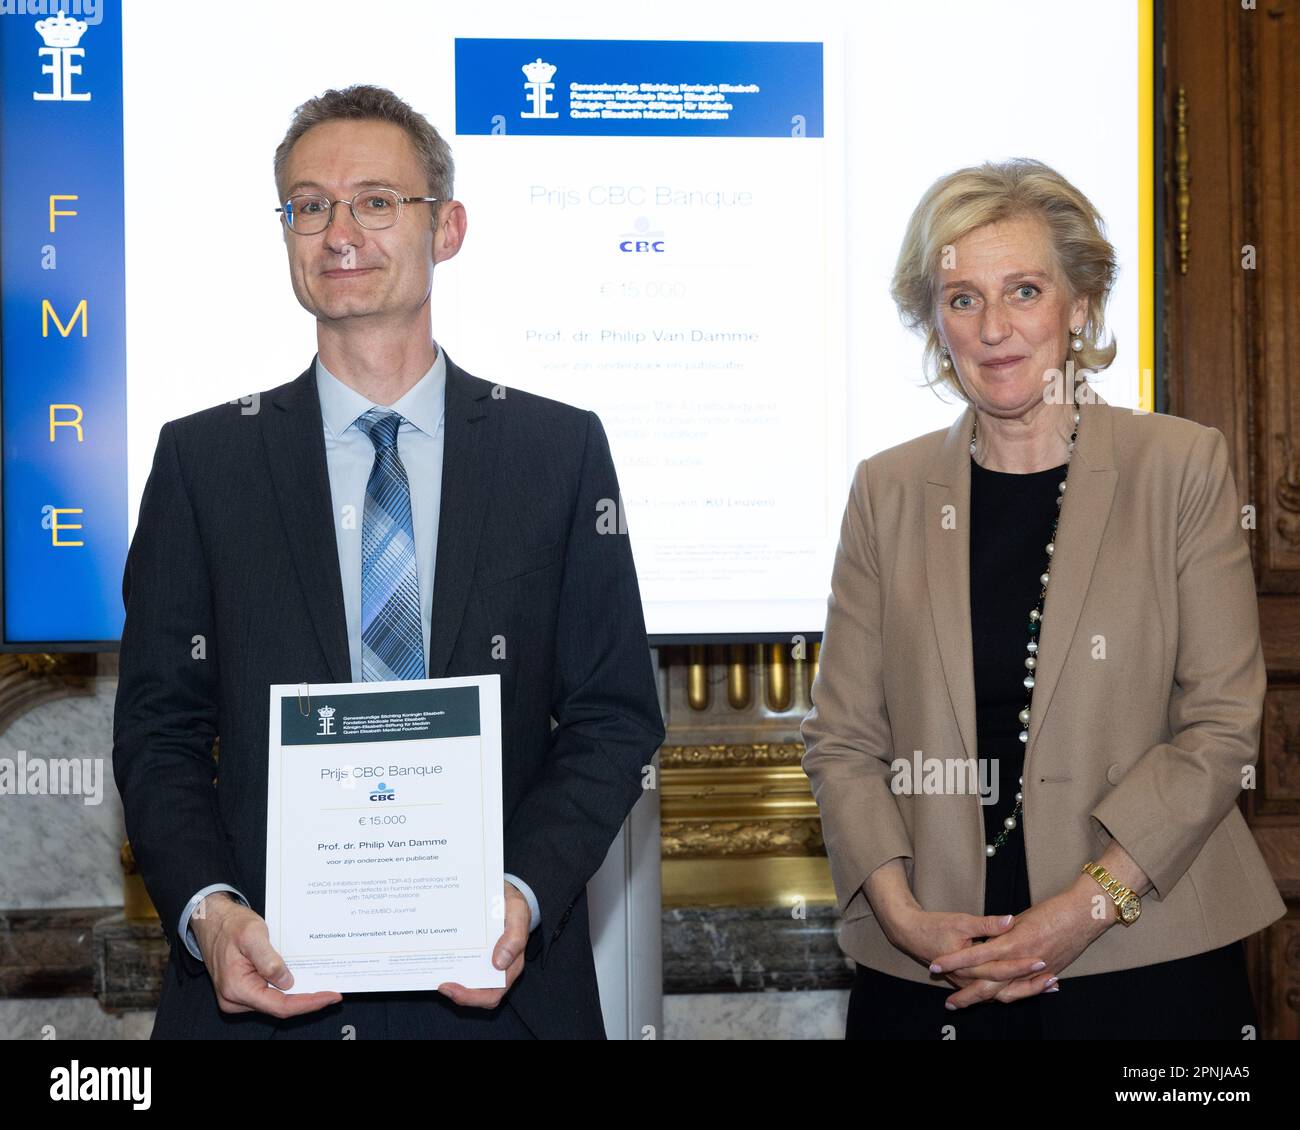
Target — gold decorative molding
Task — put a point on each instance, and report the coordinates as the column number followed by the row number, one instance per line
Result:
column 712, row 756
column 772, row 880
column 743, row 802
column 697, row 839
column 738, row 822
column 727, row 792
column 739, row 826
column 29, row 679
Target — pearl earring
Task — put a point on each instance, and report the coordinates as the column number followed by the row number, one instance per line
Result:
column 1076, row 343
column 946, row 361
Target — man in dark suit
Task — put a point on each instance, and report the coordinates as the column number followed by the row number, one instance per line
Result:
column 291, row 538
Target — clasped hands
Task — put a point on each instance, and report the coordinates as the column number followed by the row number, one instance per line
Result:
column 1022, row 955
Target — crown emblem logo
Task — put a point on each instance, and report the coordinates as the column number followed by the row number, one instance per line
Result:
column 60, row 31
column 326, row 716
column 536, row 71
column 538, row 89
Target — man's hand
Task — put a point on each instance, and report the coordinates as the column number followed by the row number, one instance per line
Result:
column 508, row 955
column 236, row 947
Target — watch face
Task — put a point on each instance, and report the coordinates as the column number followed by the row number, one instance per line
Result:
column 1130, row 908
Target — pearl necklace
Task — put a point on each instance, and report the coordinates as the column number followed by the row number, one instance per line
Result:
column 1035, row 623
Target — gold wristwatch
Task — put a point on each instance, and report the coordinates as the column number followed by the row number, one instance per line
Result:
column 1127, row 905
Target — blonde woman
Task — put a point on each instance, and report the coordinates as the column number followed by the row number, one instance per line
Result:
column 1058, row 593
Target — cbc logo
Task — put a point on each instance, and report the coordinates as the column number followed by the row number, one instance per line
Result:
column 642, row 246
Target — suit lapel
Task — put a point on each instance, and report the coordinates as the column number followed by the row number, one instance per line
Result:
column 469, row 456
column 295, row 449
column 1088, row 496
column 947, row 570
column 947, row 562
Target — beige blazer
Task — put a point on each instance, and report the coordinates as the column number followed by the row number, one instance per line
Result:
column 1146, row 711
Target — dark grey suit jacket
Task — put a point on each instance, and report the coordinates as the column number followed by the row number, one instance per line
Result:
column 232, row 584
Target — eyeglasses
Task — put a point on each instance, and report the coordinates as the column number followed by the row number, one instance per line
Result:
column 372, row 208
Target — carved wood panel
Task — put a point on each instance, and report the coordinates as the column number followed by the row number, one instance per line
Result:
column 1232, row 330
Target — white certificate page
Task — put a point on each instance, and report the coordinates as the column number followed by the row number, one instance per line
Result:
column 384, row 834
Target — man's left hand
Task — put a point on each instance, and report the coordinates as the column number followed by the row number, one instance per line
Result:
column 508, row 955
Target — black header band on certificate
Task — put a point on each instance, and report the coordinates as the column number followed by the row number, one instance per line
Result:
column 381, row 716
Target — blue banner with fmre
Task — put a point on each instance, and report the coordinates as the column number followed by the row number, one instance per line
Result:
column 63, row 323
column 638, row 88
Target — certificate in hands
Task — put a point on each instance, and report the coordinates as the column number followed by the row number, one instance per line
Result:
column 383, row 834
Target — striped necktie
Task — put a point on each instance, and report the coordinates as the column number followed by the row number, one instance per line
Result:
column 391, row 637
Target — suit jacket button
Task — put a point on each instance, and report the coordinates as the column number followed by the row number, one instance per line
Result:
column 1114, row 773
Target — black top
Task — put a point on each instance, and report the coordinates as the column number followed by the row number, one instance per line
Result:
column 1011, row 523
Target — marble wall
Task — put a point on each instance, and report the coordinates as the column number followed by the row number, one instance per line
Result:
column 815, row 1014
column 60, row 851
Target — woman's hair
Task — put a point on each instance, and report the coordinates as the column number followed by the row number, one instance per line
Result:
column 970, row 198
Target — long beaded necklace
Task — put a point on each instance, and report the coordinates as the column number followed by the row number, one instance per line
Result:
column 1035, row 624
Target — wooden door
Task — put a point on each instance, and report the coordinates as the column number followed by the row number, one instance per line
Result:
column 1231, row 347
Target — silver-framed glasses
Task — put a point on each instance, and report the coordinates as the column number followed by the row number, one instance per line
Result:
column 310, row 213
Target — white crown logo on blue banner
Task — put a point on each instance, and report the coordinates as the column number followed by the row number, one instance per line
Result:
column 538, row 88
column 61, row 35
column 61, row 31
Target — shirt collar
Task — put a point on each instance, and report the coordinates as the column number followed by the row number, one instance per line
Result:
column 422, row 404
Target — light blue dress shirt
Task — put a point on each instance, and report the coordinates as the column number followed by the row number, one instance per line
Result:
column 350, row 455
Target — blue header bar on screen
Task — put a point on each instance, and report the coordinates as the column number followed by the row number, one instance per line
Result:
column 638, row 88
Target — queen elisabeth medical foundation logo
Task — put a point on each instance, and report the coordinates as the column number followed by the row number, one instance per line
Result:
column 61, row 36
column 326, row 715
column 539, row 88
